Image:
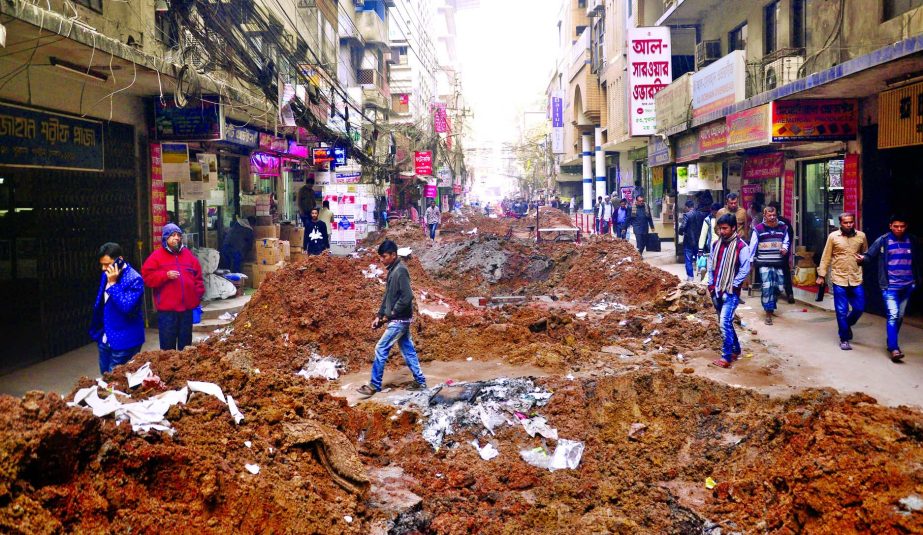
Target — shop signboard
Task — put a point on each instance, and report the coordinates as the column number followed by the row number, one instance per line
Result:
column 687, row 148
column 763, row 166
column 339, row 156
column 649, row 71
column 748, row 194
column 713, row 137
column 658, row 152
column 265, row 165
column 440, row 119
column 322, row 155
column 557, row 122
column 201, row 121
column 788, row 195
column 672, row 103
column 298, row 150
column 720, row 84
column 423, row 162
column 36, row 138
column 815, row 120
column 158, row 197
column 749, row 128
column 271, row 143
column 431, row 192
column 900, row 117
column 352, row 177
column 241, row 135
column 851, row 184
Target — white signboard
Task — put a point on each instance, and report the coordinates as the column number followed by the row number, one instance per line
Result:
column 720, row 84
column 649, row 71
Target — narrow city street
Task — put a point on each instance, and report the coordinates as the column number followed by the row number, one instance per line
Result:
column 400, row 267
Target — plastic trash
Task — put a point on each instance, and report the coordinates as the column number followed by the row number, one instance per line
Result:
column 710, row 483
column 248, row 443
column 325, row 368
column 912, row 503
column 348, row 519
column 235, row 412
column 207, row 388
column 540, row 426
column 488, row 452
column 537, row 457
column 252, row 468
column 567, row 455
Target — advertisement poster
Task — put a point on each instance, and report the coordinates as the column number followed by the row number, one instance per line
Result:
column 851, row 184
column 720, row 84
column 557, row 122
column 423, row 162
column 682, row 179
column 175, row 162
column 209, row 163
column 159, row 216
column 431, row 192
column 347, row 178
column 788, row 196
column 749, row 128
column 649, row 71
column 815, row 120
column 440, row 120
column 748, row 194
column 763, row 166
column 710, row 176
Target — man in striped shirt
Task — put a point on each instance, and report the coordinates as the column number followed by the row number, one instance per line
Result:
column 898, row 275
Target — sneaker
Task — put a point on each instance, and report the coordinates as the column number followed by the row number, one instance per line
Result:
column 897, row 355
column 844, row 345
column 367, row 391
column 417, row 387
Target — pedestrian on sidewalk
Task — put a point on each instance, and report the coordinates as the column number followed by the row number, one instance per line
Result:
column 769, row 246
column 397, row 312
column 708, row 235
column 728, row 266
column 691, row 228
column 840, row 253
column 640, row 219
column 604, row 214
column 596, row 220
column 621, row 219
column 433, row 218
column 117, row 326
column 316, row 235
column 899, row 275
column 787, row 264
column 175, row 275
column 326, row 215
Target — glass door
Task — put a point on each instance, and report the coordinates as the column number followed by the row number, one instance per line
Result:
column 821, row 202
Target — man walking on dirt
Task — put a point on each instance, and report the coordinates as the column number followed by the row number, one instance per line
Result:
column 397, row 311
column 769, row 248
column 728, row 266
column 840, row 254
column 640, row 219
column 898, row 276
column 433, row 218
column 691, row 228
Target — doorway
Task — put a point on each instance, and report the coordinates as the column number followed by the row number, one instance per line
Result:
column 820, row 202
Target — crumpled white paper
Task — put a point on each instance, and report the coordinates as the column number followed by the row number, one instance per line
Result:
column 235, row 412
column 207, row 388
column 488, row 452
column 137, row 377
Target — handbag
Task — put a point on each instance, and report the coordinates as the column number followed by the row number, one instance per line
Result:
column 653, row 242
column 701, row 262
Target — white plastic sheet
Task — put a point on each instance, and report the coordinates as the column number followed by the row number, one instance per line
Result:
column 206, row 388
column 235, row 412
column 487, row 452
column 138, row 376
column 567, row 455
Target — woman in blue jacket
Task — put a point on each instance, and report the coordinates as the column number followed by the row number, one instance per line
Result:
column 118, row 315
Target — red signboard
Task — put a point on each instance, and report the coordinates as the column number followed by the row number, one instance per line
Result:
column 713, row 137
column 815, row 120
column 764, row 166
column 158, row 197
column 851, row 184
column 748, row 194
column 788, row 196
column 423, row 162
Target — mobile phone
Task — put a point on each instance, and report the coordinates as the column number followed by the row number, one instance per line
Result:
column 120, row 263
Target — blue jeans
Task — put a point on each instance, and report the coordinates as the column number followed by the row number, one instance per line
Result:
column 896, row 304
column 690, row 255
column 432, row 230
column 232, row 258
column 621, row 230
column 771, row 285
column 844, row 298
column 726, row 305
column 110, row 358
column 175, row 329
column 397, row 332
column 603, row 226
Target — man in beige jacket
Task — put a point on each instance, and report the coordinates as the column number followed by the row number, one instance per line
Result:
column 839, row 257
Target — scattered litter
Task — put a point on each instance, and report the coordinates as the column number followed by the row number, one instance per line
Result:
column 207, row 388
column 488, row 452
column 469, row 359
column 539, row 425
column 348, row 519
column 138, row 377
column 647, row 341
column 252, row 468
column 471, row 232
column 324, row 367
column 570, row 377
column 636, row 430
column 404, row 252
column 435, row 314
column 373, row 272
column 912, row 503
column 248, row 443
column 567, row 455
column 227, row 316
column 580, row 315
column 235, row 412
column 604, row 306
column 537, row 457
column 680, row 357
column 710, row 483
column 745, row 308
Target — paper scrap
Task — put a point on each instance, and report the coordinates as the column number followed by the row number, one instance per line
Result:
column 566, row 455
column 207, row 388
column 235, row 412
column 138, row 377
column 488, row 452
column 248, row 443
column 252, row 468
column 539, row 425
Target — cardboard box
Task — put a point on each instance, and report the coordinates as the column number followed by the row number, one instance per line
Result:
column 264, row 220
column 286, row 250
column 296, row 250
column 249, row 269
column 263, row 271
column 265, row 231
column 296, row 237
column 268, row 251
column 285, row 231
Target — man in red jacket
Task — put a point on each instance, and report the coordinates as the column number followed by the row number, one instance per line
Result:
column 175, row 275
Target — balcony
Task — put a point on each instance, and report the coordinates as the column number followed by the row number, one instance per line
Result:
column 690, row 11
column 347, row 31
column 372, row 29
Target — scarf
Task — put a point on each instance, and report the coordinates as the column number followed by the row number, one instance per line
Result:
column 725, row 271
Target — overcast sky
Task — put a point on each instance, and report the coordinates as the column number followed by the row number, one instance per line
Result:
column 506, row 49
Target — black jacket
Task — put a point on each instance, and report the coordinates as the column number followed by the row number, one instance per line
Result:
column 397, row 303
column 640, row 221
column 879, row 250
column 239, row 238
column 316, row 242
column 692, row 229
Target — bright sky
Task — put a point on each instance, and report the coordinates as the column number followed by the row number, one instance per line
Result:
column 507, row 50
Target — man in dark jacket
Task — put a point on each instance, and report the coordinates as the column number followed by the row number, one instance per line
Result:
column 118, row 315
column 640, row 219
column 691, row 227
column 316, row 237
column 237, row 242
column 397, row 311
column 175, row 275
column 899, row 275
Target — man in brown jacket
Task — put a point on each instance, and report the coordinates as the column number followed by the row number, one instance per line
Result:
column 839, row 257
column 732, row 206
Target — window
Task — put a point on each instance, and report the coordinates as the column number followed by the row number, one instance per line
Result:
column 597, row 52
column 771, row 14
column 894, row 8
column 95, row 5
column 737, row 38
column 581, row 4
column 799, row 39
column 167, row 30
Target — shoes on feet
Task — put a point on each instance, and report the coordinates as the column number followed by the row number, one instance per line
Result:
column 897, row 355
column 844, row 345
column 417, row 387
column 367, row 391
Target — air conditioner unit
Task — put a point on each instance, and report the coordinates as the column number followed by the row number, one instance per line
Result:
column 782, row 71
column 707, row 52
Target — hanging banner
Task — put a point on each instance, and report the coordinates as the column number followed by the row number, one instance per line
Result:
column 35, row 138
column 763, row 166
column 815, row 120
column 851, row 184
column 749, row 128
column 440, row 120
column 649, row 71
column 175, row 162
column 423, row 162
column 788, row 195
column 159, row 216
column 748, row 194
column 557, row 122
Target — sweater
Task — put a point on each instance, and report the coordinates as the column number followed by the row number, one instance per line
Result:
column 879, row 251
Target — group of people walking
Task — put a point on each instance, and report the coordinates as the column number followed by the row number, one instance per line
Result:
column 615, row 219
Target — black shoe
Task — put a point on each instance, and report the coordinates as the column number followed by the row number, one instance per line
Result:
column 791, row 299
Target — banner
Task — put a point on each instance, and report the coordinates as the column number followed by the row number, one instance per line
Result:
column 159, row 216
column 763, row 166
column 440, row 120
column 713, row 137
column 557, row 122
column 423, row 162
column 788, row 195
column 649, row 71
column 749, row 128
column 687, row 148
column 815, row 120
column 851, row 184
column 748, row 194
column 720, row 84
